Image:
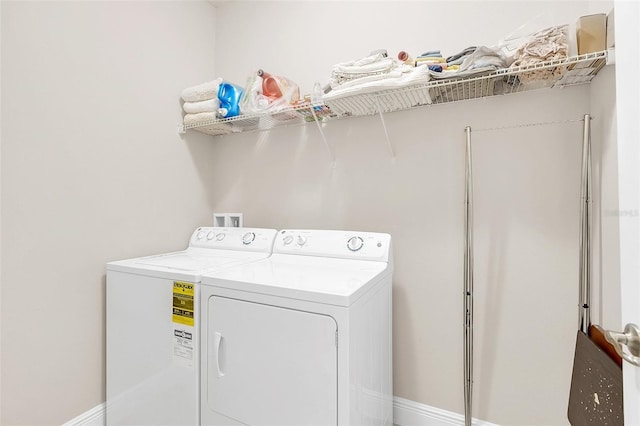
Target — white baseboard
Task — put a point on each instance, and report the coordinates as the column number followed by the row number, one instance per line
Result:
column 93, row 417
column 410, row 413
column 405, row 413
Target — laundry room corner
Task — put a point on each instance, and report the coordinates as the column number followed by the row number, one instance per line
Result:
column 402, row 173
column 409, row 251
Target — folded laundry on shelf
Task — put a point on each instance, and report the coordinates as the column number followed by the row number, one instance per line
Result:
column 433, row 60
column 347, row 99
column 453, row 86
column 481, row 61
column 460, row 55
column 200, row 117
column 376, row 64
column 202, row 92
column 210, row 105
column 458, row 82
column 483, row 57
column 431, row 53
column 207, row 123
column 549, row 44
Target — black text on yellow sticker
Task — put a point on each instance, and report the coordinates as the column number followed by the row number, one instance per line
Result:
column 183, row 296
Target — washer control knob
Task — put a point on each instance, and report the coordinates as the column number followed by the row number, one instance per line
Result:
column 287, row 240
column 355, row 243
column 210, row 235
column 220, row 236
column 248, row 238
column 199, row 235
column 301, row 240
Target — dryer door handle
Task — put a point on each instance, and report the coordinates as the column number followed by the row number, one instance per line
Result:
column 217, row 341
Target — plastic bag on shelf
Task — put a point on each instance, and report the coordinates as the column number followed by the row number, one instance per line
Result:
column 270, row 94
column 253, row 101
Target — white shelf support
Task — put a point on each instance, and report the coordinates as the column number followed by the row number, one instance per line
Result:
column 324, row 139
column 384, row 127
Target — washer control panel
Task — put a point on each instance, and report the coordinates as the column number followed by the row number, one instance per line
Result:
column 249, row 239
column 340, row 244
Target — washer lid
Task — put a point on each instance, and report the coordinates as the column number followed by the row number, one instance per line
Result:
column 318, row 279
column 186, row 265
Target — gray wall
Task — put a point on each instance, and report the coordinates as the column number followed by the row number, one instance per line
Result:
column 93, row 170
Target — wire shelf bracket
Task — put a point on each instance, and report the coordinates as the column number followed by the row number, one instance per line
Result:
column 322, row 135
column 384, row 127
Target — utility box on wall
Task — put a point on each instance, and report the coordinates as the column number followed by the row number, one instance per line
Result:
column 228, row 220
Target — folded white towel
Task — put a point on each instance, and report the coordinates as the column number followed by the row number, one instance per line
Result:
column 200, row 118
column 202, row 92
column 347, row 100
column 206, row 122
column 210, row 105
column 381, row 65
column 400, row 78
column 367, row 60
column 374, row 65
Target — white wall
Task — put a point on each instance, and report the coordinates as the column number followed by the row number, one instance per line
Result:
column 605, row 306
column 526, row 192
column 92, row 170
column 628, row 130
column 606, row 288
column 1, row 44
column 302, row 40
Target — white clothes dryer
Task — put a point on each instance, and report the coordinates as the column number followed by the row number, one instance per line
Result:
column 302, row 337
column 153, row 325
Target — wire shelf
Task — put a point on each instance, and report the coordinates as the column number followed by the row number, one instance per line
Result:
column 557, row 73
column 294, row 115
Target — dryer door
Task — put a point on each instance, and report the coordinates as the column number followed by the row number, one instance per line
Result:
column 268, row 365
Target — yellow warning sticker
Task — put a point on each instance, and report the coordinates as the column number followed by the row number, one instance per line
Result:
column 183, row 295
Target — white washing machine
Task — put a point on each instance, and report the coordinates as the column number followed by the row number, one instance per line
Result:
column 302, row 337
column 153, row 325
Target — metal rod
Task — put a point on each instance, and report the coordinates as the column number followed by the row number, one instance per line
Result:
column 521, row 125
column 384, row 127
column 468, row 284
column 584, row 276
column 324, row 139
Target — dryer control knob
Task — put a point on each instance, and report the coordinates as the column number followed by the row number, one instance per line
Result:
column 302, row 240
column 287, row 240
column 220, row 237
column 199, row 235
column 248, row 238
column 210, row 235
column 355, row 243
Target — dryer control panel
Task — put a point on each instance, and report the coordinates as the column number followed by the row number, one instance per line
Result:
column 340, row 244
column 246, row 239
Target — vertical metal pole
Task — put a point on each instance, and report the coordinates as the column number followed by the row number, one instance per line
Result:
column 384, row 127
column 468, row 283
column 324, row 139
column 585, row 229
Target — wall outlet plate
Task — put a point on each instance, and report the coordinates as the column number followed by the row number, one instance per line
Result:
column 228, row 220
